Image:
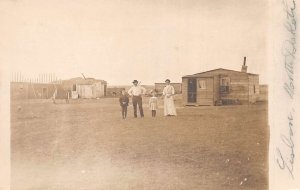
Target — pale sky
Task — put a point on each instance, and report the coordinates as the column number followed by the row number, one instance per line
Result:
column 122, row 40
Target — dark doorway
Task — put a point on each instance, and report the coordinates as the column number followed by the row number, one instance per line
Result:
column 192, row 90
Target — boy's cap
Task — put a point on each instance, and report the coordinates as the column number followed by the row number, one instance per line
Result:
column 167, row 80
column 135, row 81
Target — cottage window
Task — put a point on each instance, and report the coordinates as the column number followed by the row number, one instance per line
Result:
column 225, row 81
column 224, row 85
column 254, row 90
column 202, row 84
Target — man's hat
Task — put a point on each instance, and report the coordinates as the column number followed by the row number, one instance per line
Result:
column 167, row 80
column 135, row 81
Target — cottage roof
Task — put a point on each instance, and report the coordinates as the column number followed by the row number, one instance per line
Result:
column 217, row 70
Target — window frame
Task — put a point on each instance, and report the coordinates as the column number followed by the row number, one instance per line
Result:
column 200, row 84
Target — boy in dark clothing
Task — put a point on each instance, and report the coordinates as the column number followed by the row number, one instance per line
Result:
column 124, row 100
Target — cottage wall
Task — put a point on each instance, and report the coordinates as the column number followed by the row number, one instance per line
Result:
column 216, row 88
column 238, row 88
column 205, row 96
column 99, row 90
column 184, row 90
column 253, row 88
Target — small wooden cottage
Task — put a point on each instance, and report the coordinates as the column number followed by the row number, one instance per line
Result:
column 220, row 86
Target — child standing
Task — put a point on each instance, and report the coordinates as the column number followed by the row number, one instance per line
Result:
column 153, row 103
column 124, row 100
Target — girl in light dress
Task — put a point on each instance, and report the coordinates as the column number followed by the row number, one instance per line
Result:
column 153, row 103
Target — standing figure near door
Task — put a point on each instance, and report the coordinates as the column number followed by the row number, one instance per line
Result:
column 136, row 92
column 169, row 106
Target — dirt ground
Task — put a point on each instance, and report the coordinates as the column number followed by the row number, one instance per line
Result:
column 86, row 145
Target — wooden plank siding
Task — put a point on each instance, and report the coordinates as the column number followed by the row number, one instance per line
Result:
column 216, row 88
column 238, row 87
column 184, row 90
column 253, row 89
column 204, row 96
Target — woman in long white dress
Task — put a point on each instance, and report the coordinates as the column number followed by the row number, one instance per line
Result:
column 168, row 93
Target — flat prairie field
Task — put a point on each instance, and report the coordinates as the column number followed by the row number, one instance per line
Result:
column 87, row 145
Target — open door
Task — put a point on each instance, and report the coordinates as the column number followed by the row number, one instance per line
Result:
column 192, row 90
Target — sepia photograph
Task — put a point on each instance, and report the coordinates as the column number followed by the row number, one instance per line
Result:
column 137, row 95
